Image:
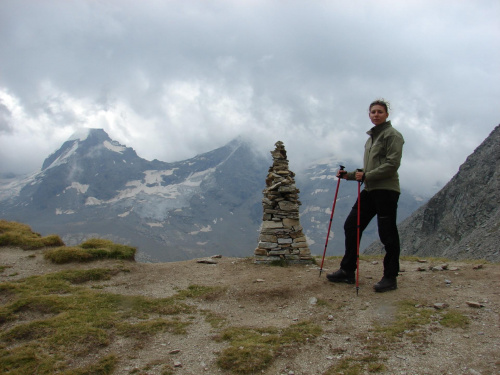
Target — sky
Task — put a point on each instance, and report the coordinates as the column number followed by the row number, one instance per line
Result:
column 176, row 78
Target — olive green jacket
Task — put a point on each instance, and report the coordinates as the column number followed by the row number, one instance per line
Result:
column 383, row 151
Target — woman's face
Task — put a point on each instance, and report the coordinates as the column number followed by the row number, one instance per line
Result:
column 378, row 114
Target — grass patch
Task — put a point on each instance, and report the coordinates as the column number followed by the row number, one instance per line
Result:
column 215, row 320
column 323, row 303
column 278, row 263
column 83, row 276
column 411, row 317
column 208, row 293
column 53, row 319
column 104, row 366
column 254, row 349
column 408, row 317
column 91, row 250
column 20, row 235
column 454, row 319
column 356, row 365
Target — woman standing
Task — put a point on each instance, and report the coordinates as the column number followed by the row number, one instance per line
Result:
column 382, row 158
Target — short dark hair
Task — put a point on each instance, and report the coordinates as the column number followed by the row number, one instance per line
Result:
column 382, row 102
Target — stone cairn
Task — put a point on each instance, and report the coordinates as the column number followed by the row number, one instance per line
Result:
column 281, row 236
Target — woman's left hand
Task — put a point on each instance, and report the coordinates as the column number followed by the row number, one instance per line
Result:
column 360, row 176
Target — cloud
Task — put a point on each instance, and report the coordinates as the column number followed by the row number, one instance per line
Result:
column 174, row 79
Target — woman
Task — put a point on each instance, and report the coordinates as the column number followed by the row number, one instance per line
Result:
column 382, row 158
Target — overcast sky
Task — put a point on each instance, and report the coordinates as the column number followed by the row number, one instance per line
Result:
column 176, row 78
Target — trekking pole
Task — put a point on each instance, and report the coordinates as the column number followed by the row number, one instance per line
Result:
column 331, row 217
column 358, row 234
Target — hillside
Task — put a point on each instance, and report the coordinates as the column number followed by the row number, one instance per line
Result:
column 288, row 320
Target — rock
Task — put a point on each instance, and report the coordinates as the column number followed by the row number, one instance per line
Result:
column 313, row 301
column 448, row 282
column 440, row 305
column 206, row 261
column 477, row 267
column 268, row 238
column 177, row 364
column 271, row 225
column 268, row 245
column 175, row 351
column 474, row 372
column 474, row 304
column 260, row 252
column 288, row 206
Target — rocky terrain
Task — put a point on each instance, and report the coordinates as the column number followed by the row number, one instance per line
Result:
column 359, row 333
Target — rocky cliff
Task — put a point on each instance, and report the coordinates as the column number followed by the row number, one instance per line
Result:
column 462, row 220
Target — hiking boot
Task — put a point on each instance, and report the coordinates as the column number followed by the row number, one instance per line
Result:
column 386, row 284
column 341, row 276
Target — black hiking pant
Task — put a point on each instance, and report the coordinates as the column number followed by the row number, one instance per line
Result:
column 384, row 204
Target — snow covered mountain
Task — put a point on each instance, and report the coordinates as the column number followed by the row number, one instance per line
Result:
column 210, row 204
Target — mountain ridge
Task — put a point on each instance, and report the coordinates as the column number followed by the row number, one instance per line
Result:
column 93, row 186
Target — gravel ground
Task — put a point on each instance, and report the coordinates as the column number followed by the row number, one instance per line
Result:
column 264, row 296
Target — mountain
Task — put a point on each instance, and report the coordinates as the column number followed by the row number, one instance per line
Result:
column 463, row 219
column 210, row 204
column 93, row 186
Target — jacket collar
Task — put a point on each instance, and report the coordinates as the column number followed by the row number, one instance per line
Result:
column 378, row 128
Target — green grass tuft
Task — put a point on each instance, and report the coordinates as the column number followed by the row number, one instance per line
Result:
column 356, row 365
column 454, row 319
column 208, row 293
column 110, row 250
column 20, row 235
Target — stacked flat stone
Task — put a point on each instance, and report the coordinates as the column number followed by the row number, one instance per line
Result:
column 281, row 236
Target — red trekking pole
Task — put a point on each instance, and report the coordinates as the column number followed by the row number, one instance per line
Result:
column 358, row 235
column 331, row 217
